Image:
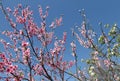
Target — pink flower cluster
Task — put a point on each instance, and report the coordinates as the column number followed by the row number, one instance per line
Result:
column 84, row 43
column 43, row 16
column 6, row 65
column 25, row 51
column 107, row 63
column 32, row 28
column 73, row 45
column 25, row 13
column 38, row 69
column 11, row 69
column 56, row 23
column 21, row 49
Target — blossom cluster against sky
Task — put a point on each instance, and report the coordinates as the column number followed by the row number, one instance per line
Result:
column 106, row 11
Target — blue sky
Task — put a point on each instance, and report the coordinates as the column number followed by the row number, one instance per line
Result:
column 105, row 11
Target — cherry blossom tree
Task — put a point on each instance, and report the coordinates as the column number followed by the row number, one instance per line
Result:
column 103, row 64
column 33, row 52
column 22, row 59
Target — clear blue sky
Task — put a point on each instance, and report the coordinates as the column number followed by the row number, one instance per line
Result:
column 106, row 11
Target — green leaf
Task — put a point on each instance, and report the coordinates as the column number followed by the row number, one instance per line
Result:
column 113, row 31
column 101, row 40
column 118, row 38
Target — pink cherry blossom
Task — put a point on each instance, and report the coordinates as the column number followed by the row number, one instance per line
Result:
column 16, row 12
column 9, row 10
column 71, row 63
column 20, row 19
column 26, row 53
column 73, row 45
column 11, row 69
column 107, row 63
column 1, row 66
column 19, row 5
column 21, row 32
column 52, row 25
column 25, row 44
column 64, row 36
column 58, row 21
